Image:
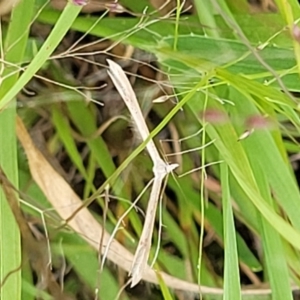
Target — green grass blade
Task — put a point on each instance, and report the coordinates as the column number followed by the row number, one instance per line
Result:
column 63, row 24
column 86, row 265
column 10, row 248
column 65, row 134
column 273, row 250
column 232, row 289
column 206, row 17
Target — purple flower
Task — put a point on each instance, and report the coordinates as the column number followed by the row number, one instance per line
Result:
column 296, row 33
column 80, row 2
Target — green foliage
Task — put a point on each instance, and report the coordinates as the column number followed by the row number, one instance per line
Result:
column 236, row 77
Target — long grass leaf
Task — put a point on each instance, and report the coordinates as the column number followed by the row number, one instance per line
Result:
column 10, row 249
column 232, row 289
